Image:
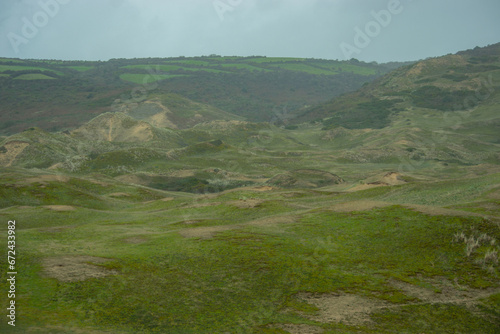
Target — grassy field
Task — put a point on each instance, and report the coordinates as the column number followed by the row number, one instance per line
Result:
column 250, row 261
column 34, row 76
column 4, row 68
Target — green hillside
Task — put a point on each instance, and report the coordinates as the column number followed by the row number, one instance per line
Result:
column 455, row 83
column 159, row 204
column 37, row 92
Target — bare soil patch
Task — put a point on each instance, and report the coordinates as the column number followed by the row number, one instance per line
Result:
column 60, row 207
column 182, row 173
column 392, row 179
column 441, row 290
column 47, row 178
column 346, row 308
column 354, row 310
column 75, row 268
column 262, row 188
column 12, row 150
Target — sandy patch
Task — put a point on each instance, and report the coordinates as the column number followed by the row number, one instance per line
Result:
column 347, row 308
column 354, row 310
column 392, row 179
column 11, row 151
column 447, row 292
column 385, row 180
column 182, row 173
column 47, row 178
column 75, row 268
column 247, row 203
column 262, row 189
column 115, row 127
column 60, row 207
column 56, row 166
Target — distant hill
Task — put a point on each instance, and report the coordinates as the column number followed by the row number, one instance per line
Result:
column 449, row 83
column 173, row 111
column 62, row 95
column 441, row 109
column 434, row 115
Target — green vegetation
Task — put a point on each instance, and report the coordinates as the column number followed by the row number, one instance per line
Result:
column 374, row 114
column 144, row 79
column 80, row 68
column 5, row 68
column 249, row 87
column 435, row 98
column 174, row 275
column 34, row 76
column 164, row 210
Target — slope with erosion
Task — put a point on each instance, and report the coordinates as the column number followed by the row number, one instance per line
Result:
column 440, row 110
column 63, row 95
column 452, row 83
column 172, row 111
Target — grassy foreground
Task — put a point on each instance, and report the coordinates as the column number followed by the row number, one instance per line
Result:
column 125, row 259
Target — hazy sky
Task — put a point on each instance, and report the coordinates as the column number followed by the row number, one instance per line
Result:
column 369, row 30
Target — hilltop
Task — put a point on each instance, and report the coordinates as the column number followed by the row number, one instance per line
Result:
column 441, row 109
column 62, row 95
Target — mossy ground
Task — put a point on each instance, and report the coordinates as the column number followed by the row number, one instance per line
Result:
column 245, row 278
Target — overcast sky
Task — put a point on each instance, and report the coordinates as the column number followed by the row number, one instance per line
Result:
column 369, row 30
